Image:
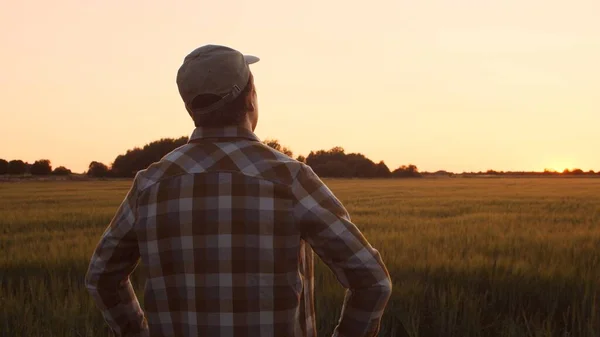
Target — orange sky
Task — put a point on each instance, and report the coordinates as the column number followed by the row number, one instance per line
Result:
column 457, row 85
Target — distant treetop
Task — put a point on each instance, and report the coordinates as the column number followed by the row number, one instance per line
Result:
column 274, row 143
column 136, row 159
column 3, row 166
column 41, row 167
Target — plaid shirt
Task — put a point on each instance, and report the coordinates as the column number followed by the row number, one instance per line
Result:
column 225, row 228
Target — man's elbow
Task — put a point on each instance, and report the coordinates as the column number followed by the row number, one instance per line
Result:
column 385, row 287
column 381, row 289
column 90, row 281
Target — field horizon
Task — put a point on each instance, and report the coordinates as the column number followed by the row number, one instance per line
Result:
column 82, row 177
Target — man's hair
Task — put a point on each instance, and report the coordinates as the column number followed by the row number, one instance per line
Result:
column 232, row 113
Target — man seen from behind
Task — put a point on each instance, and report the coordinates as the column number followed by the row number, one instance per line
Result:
column 225, row 228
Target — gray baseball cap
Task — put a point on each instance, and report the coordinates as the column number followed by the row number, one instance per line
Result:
column 215, row 70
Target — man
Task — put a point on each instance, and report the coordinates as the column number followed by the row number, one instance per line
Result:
column 225, row 228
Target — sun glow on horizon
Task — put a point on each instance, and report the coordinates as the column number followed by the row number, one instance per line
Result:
column 561, row 166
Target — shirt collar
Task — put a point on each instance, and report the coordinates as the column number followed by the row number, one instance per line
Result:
column 223, row 132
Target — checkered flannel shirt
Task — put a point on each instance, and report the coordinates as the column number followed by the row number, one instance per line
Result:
column 225, row 228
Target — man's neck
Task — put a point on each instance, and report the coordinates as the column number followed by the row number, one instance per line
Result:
column 246, row 124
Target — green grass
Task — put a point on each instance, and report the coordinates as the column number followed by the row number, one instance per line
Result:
column 468, row 257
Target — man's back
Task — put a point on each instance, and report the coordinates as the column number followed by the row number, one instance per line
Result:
column 217, row 234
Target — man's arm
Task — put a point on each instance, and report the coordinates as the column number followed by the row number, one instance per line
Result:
column 107, row 278
column 326, row 226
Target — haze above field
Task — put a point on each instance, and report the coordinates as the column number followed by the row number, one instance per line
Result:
column 454, row 85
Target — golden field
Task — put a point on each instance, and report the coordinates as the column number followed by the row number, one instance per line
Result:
column 468, row 257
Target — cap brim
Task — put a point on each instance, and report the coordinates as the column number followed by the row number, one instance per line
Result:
column 251, row 59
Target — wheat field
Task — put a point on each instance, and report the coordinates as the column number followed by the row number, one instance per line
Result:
column 468, row 257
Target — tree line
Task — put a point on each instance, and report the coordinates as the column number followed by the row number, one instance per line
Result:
column 333, row 163
column 40, row 167
column 326, row 163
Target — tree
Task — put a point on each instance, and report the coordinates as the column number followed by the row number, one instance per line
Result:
column 577, row 171
column 287, row 152
column 333, row 168
column 361, row 166
column 337, row 149
column 61, row 171
column 136, row 159
column 410, row 171
column 301, row 159
column 17, row 167
column 274, row 144
column 98, row 170
column 382, row 170
column 336, row 163
column 41, row 167
column 320, row 159
column 3, row 166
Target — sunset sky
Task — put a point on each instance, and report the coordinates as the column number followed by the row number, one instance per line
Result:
column 456, row 85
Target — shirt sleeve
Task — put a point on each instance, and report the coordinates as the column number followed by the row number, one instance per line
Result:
column 325, row 224
column 107, row 279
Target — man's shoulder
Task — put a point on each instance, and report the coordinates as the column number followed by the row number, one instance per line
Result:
column 166, row 167
column 268, row 163
column 250, row 158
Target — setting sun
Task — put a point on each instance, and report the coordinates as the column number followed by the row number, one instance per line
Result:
column 561, row 165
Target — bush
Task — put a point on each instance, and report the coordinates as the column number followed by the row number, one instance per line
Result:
column 577, row 171
column 3, row 166
column 17, row 167
column 98, row 170
column 41, row 167
column 61, row 171
column 410, row 171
